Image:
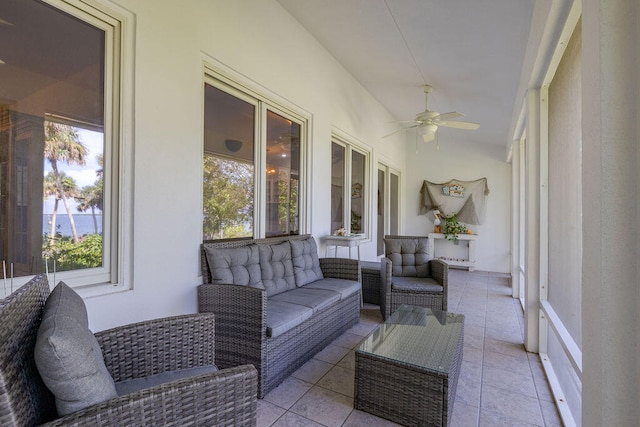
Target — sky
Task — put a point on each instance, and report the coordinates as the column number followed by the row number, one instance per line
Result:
column 83, row 175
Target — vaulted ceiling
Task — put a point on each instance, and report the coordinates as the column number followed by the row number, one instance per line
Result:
column 470, row 51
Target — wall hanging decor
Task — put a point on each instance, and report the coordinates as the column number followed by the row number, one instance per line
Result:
column 465, row 199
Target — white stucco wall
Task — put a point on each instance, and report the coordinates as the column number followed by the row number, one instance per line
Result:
column 258, row 41
column 456, row 159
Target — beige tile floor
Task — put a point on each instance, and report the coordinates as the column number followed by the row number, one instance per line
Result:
column 500, row 383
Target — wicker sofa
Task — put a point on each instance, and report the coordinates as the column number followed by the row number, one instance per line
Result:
column 131, row 352
column 279, row 313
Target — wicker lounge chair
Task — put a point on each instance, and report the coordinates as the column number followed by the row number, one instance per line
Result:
column 222, row 398
column 410, row 277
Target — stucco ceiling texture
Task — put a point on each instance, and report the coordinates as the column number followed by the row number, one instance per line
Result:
column 470, row 51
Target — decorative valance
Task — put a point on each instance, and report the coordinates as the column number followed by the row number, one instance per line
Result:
column 466, row 199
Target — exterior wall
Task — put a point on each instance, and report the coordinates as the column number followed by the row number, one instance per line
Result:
column 258, row 41
column 455, row 159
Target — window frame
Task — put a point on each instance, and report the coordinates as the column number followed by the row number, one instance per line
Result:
column 352, row 145
column 222, row 78
column 387, row 226
column 118, row 25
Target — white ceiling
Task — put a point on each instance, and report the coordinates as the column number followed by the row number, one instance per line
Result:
column 470, row 51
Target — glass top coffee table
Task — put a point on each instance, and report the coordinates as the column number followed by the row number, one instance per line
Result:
column 407, row 369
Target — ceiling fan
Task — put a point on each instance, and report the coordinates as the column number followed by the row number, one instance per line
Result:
column 427, row 122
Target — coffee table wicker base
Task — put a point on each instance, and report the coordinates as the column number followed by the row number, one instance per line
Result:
column 405, row 394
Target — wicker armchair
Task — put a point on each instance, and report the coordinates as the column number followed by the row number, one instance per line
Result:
column 223, row 398
column 410, row 277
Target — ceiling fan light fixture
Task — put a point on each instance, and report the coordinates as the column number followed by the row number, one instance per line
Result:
column 428, row 132
column 426, row 123
column 428, row 137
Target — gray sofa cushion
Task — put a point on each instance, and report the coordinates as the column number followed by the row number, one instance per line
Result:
column 415, row 284
column 342, row 286
column 316, row 299
column 408, row 257
column 68, row 356
column 137, row 384
column 276, row 267
column 237, row 266
column 282, row 316
column 306, row 265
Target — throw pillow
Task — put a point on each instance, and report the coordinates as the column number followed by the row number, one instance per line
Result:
column 237, row 266
column 68, row 356
column 409, row 257
column 276, row 267
column 306, row 265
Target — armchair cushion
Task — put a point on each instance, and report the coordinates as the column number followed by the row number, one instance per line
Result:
column 415, row 284
column 409, row 256
column 276, row 267
column 238, row 266
column 306, row 264
column 68, row 356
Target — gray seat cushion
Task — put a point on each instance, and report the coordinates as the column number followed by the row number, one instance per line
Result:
column 409, row 257
column 282, row 316
column 415, row 284
column 68, row 356
column 276, row 267
column 237, row 266
column 344, row 287
column 316, row 299
column 137, row 384
column 306, row 265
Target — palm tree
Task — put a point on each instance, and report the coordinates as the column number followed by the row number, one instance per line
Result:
column 51, row 188
column 90, row 198
column 62, row 143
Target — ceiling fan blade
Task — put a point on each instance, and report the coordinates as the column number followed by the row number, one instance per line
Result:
column 400, row 130
column 448, row 116
column 460, row 125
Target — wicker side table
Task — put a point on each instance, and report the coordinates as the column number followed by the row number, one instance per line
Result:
column 407, row 369
column 371, row 282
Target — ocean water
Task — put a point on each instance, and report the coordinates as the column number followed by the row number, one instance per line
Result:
column 84, row 224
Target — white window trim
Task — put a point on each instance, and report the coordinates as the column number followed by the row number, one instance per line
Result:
column 222, row 77
column 388, row 170
column 353, row 144
column 119, row 27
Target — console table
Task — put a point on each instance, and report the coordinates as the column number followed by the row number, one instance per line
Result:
column 468, row 239
column 351, row 241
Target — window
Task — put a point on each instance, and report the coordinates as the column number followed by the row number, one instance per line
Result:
column 252, row 165
column 349, row 187
column 228, row 171
column 283, row 170
column 388, row 204
column 59, row 141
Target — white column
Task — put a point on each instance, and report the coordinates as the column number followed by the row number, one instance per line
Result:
column 515, row 218
column 532, row 222
column 610, row 284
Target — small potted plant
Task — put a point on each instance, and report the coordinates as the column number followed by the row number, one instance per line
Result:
column 452, row 227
